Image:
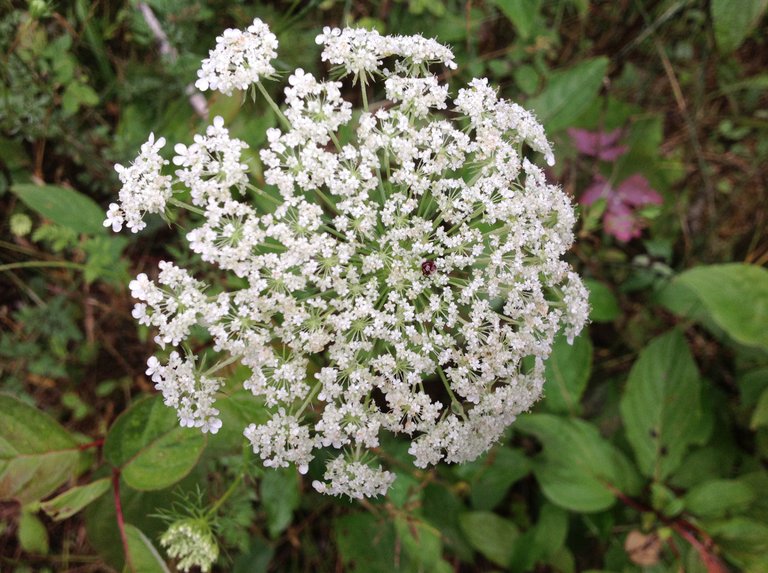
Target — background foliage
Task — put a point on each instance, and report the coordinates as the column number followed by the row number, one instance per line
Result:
column 649, row 451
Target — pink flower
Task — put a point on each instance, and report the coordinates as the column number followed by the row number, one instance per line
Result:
column 619, row 218
column 598, row 143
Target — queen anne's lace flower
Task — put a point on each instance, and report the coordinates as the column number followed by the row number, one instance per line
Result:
column 407, row 278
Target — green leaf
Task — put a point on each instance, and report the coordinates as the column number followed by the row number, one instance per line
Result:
column 569, row 93
column 256, row 559
column 542, row 541
column 442, row 507
column 73, row 500
column 104, row 260
column 491, row 535
column 702, row 464
column 502, row 467
column 63, row 206
column 144, row 557
column 741, row 535
column 578, row 469
column 524, row 15
column 365, row 544
column 420, row 541
column 567, row 373
column 717, row 498
column 37, row 455
column 148, row 445
column 603, row 303
column 736, row 296
column 661, row 406
column 77, row 95
column 279, row 496
column 734, row 19
column 33, row 537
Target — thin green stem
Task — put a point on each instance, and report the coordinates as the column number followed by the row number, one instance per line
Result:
column 223, row 364
column 364, row 92
column 187, row 206
column 273, row 105
column 327, row 200
column 264, row 194
column 454, row 401
column 219, row 502
column 36, row 264
column 311, row 396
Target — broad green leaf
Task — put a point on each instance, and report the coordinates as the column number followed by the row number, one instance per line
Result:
column 567, row 373
column 37, row 455
column 603, row 303
column 717, row 498
column 33, row 536
column 569, row 93
column 366, row 545
column 256, row 559
column 733, row 20
column 491, row 535
column 239, row 409
column 420, row 541
column 751, row 386
column 73, row 500
column 543, row 540
column 405, row 489
column 741, row 536
column 578, row 469
column 442, row 507
column 661, row 406
column 501, row 468
column 562, row 561
column 63, row 206
column 279, row 496
column 702, row 464
column 736, row 297
column 524, row 15
column 144, row 557
column 151, row 449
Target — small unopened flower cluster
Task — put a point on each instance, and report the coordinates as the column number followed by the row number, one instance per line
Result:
column 407, row 278
column 192, row 543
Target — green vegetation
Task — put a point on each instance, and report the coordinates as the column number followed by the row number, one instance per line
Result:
column 649, row 451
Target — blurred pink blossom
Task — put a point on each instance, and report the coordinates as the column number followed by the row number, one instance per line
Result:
column 598, row 144
column 619, row 218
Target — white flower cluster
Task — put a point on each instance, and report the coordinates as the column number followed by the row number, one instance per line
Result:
column 192, row 543
column 361, row 52
column 145, row 189
column 240, row 58
column 408, row 277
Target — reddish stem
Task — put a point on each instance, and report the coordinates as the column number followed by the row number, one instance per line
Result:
column 120, row 519
column 94, row 444
column 683, row 528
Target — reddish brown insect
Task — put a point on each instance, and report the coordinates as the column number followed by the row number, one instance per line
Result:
column 428, row 268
